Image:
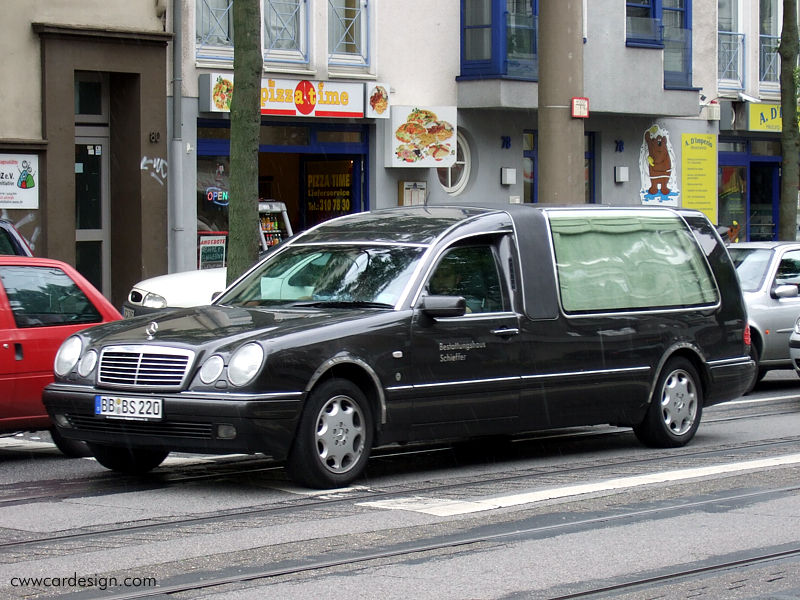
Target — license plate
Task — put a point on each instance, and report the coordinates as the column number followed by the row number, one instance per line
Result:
column 127, row 312
column 133, row 409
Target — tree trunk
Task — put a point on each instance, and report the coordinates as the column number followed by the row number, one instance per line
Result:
column 790, row 134
column 245, row 124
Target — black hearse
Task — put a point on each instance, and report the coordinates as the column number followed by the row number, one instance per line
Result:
column 423, row 323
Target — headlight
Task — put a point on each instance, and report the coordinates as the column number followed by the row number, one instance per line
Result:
column 87, row 363
column 245, row 364
column 797, row 326
column 152, row 300
column 211, row 369
column 68, row 355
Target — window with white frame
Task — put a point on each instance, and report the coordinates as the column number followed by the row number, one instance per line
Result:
column 730, row 42
column 769, row 21
column 285, row 30
column 454, row 179
column 348, row 28
column 214, row 23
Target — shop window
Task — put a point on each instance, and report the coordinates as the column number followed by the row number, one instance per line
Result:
column 340, row 137
column 348, row 27
column 285, row 31
column 454, row 179
column 499, row 39
column 283, row 135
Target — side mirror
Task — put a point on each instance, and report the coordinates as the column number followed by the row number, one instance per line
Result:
column 785, row 291
column 444, row 306
column 215, row 295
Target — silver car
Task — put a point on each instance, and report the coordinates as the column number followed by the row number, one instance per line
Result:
column 769, row 273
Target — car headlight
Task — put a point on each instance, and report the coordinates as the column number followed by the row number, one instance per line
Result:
column 797, row 326
column 152, row 300
column 212, row 369
column 68, row 355
column 87, row 363
column 245, row 364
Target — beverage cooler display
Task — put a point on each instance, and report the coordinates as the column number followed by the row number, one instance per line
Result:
column 274, row 226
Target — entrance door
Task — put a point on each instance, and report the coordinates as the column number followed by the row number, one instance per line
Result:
column 92, row 211
column 764, row 192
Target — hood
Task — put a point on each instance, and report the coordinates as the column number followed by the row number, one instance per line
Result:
column 188, row 288
column 220, row 325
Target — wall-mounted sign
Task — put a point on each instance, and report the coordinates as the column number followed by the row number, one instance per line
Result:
column 658, row 168
column 378, row 104
column 764, row 117
column 421, row 136
column 580, row 108
column 287, row 97
column 19, row 181
column 699, row 173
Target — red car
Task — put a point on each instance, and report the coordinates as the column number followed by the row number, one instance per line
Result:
column 42, row 302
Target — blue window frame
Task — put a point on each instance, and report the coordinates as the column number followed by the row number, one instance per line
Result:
column 348, row 33
column 499, row 39
column 285, row 31
column 667, row 25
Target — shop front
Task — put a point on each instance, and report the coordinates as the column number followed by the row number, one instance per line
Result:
column 313, row 152
column 748, row 175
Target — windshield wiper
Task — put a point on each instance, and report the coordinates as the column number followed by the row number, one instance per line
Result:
column 343, row 304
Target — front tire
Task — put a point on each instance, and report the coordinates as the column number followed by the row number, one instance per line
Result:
column 675, row 409
column 131, row 461
column 333, row 438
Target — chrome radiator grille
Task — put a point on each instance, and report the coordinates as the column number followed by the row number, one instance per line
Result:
column 160, row 367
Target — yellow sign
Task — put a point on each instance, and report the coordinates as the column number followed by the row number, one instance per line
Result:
column 699, row 173
column 764, row 117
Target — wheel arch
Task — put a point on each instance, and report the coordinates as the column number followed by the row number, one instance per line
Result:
column 694, row 356
column 352, row 368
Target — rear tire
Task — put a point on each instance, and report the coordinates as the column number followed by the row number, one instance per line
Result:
column 758, row 374
column 675, row 409
column 334, row 436
column 132, row 461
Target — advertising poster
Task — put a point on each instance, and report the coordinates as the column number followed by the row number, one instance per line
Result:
column 658, row 168
column 699, row 173
column 19, row 179
column 212, row 251
column 421, row 136
column 378, row 105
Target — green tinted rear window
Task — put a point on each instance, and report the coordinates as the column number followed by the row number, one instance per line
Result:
column 628, row 261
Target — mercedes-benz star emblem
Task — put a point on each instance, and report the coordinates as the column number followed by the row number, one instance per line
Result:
column 151, row 329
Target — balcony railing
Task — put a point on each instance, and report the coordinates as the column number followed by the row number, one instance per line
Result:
column 769, row 59
column 730, row 60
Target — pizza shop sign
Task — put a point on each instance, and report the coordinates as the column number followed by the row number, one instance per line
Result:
column 288, row 97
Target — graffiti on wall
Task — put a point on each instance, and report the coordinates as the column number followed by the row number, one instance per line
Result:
column 658, row 168
column 157, row 167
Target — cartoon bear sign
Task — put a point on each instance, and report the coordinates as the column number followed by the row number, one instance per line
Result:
column 657, row 167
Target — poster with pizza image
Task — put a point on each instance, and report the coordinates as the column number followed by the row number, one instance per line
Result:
column 422, row 136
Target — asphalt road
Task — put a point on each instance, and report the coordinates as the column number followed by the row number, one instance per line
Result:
column 580, row 513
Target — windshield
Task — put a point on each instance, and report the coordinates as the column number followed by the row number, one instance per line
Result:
column 312, row 275
column 751, row 266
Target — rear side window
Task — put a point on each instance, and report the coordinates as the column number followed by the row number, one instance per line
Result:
column 625, row 261
column 45, row 296
column 6, row 245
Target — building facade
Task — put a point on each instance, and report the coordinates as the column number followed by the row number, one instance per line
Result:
column 83, row 137
column 369, row 104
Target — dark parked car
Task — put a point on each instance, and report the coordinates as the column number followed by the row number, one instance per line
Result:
column 11, row 241
column 42, row 302
column 423, row 323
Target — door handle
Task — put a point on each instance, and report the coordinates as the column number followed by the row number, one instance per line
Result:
column 506, row 331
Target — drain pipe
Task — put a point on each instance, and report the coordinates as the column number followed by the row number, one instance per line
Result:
column 176, row 251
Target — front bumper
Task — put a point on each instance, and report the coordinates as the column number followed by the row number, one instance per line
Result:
column 191, row 422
